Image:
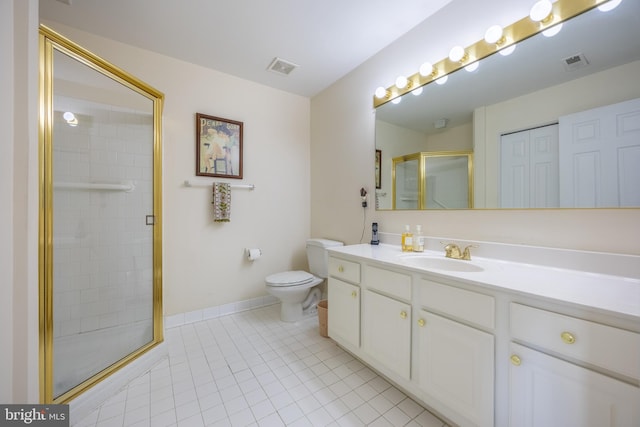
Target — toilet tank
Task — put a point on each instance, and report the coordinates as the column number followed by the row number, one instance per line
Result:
column 318, row 257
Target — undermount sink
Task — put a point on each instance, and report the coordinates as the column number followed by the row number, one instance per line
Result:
column 447, row 264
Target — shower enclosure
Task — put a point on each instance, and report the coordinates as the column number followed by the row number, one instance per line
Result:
column 100, row 218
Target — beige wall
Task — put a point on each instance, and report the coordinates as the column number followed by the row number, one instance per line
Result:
column 342, row 148
column 19, row 206
column 204, row 263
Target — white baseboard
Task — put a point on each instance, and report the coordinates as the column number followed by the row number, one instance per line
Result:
column 217, row 311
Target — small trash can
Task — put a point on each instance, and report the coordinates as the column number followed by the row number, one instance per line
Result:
column 323, row 317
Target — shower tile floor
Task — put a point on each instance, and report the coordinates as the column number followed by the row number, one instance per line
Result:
column 251, row 369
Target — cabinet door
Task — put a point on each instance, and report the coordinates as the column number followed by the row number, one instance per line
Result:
column 386, row 332
column 344, row 312
column 456, row 364
column 546, row 392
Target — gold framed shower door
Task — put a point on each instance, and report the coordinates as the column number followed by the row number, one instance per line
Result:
column 50, row 45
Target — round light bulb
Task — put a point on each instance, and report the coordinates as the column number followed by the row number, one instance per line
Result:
column 610, row 5
column 380, row 92
column 552, row 31
column 541, row 10
column 401, row 82
column 417, row 91
column 456, row 53
column 426, row 69
column 493, row 34
column 472, row 67
column 68, row 116
column 507, row 50
column 396, row 100
column 442, row 80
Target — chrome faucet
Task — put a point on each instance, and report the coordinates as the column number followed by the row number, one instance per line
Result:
column 451, row 250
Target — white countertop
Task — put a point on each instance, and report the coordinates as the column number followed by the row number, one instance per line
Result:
column 615, row 294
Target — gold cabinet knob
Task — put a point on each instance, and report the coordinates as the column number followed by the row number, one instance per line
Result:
column 340, row 269
column 403, row 314
column 354, row 294
column 515, row 360
column 568, row 337
column 421, row 322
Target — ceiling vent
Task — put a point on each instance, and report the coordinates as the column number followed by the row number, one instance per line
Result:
column 280, row 66
column 574, row 62
column 441, row 123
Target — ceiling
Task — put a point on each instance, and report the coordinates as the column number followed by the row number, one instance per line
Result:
column 326, row 39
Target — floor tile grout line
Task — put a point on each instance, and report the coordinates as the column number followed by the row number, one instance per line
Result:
column 240, row 340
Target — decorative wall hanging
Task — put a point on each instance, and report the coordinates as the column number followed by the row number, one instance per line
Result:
column 218, row 147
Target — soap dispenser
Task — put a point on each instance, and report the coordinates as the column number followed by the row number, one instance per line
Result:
column 407, row 239
column 418, row 240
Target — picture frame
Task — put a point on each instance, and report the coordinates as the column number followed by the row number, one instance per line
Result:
column 378, row 169
column 218, row 147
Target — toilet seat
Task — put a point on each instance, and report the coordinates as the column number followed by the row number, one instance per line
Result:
column 290, row 278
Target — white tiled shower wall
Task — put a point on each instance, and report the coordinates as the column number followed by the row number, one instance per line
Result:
column 102, row 245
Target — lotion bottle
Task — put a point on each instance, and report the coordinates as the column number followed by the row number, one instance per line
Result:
column 407, row 239
column 418, row 240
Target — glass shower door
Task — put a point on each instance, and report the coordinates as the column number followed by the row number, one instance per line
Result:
column 101, row 182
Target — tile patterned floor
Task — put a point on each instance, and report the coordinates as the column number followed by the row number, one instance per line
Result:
column 251, row 369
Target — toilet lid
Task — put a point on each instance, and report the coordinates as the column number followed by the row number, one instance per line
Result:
column 290, row 278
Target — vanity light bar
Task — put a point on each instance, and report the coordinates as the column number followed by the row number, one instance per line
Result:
column 563, row 10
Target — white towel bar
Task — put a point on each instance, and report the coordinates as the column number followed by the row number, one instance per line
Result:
column 190, row 183
column 128, row 187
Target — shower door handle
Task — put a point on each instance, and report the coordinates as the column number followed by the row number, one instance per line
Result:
column 151, row 219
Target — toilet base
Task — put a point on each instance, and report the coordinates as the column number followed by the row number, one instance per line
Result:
column 293, row 299
column 290, row 312
column 294, row 312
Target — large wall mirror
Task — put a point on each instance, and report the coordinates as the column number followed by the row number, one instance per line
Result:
column 554, row 124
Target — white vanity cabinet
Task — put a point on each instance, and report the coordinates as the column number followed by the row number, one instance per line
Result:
column 506, row 345
column 344, row 301
column 455, row 357
column 386, row 319
column 547, row 390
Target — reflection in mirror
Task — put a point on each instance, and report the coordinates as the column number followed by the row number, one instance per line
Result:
column 448, row 181
column 433, row 180
column 406, row 179
column 588, row 68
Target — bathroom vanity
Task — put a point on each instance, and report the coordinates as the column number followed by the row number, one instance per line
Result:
column 496, row 341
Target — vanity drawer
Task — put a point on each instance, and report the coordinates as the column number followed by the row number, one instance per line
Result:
column 345, row 270
column 473, row 307
column 388, row 282
column 605, row 346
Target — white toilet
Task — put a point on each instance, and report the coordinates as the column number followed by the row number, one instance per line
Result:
column 298, row 290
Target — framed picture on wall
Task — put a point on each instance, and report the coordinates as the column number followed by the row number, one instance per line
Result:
column 378, row 169
column 218, row 147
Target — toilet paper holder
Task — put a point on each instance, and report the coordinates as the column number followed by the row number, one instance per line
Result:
column 253, row 254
